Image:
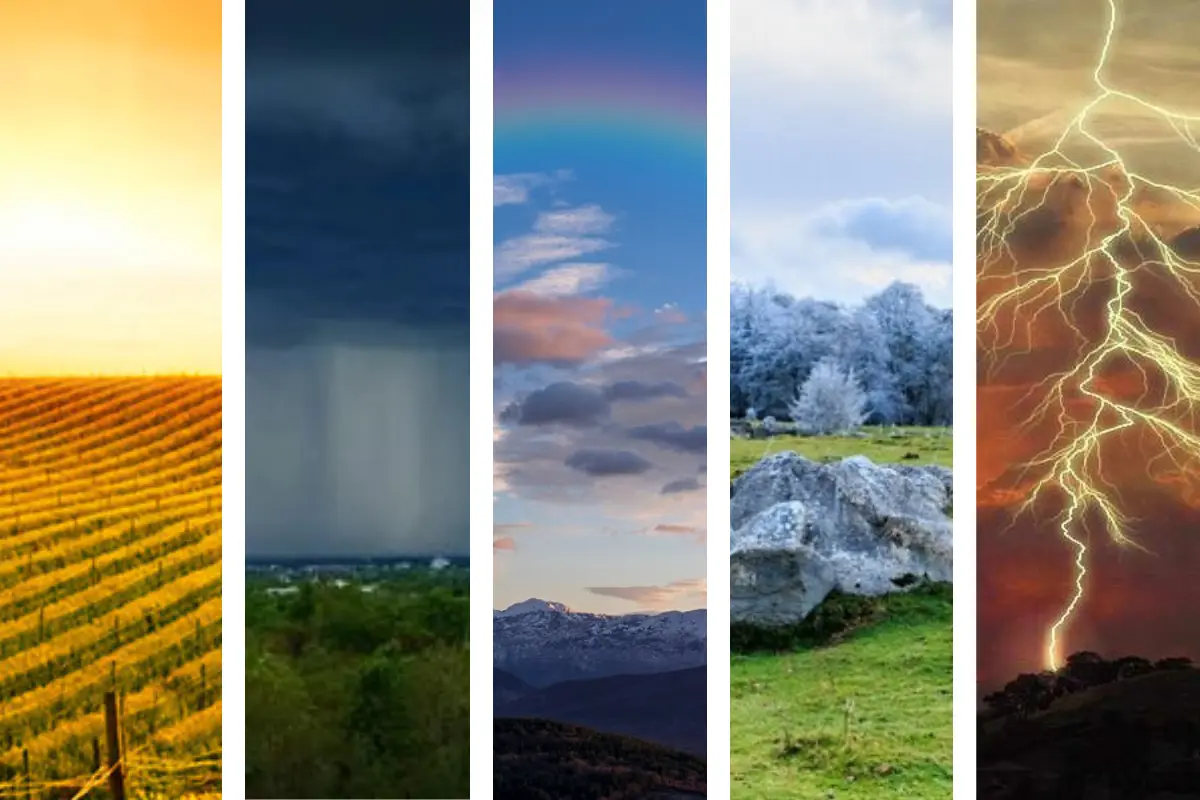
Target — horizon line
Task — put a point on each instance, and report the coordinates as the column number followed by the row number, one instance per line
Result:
column 65, row 375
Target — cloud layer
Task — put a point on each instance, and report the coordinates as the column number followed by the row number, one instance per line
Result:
column 356, row 167
column 841, row 159
column 600, row 404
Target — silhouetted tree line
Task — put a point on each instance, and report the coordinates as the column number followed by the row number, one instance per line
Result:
column 1033, row 692
column 353, row 693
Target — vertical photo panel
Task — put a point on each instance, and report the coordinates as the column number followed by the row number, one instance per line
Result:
column 1088, row 265
column 357, row 376
column 110, row 399
column 600, row 431
column 841, row 368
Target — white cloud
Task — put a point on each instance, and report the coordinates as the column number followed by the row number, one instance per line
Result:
column 883, row 51
column 559, row 235
column 805, row 257
column 508, row 190
column 841, row 145
column 516, row 188
column 570, row 279
column 579, row 221
column 522, row 253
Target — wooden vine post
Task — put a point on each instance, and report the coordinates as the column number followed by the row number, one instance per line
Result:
column 112, row 732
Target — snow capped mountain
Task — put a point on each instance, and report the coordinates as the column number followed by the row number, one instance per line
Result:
column 530, row 606
column 543, row 642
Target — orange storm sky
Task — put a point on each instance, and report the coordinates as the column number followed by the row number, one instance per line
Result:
column 110, row 201
column 1035, row 67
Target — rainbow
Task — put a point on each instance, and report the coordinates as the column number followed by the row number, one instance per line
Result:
column 623, row 107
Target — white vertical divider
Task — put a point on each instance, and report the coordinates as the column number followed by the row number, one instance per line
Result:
column 718, row 396
column 964, row 399
column 481, row 398
column 233, row 400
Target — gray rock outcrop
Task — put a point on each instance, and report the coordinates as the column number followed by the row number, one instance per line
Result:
column 800, row 529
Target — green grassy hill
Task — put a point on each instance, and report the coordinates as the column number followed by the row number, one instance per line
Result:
column 856, row 702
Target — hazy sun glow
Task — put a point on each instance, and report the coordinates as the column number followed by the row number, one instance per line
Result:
column 110, row 196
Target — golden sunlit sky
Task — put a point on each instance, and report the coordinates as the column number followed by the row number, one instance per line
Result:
column 110, row 201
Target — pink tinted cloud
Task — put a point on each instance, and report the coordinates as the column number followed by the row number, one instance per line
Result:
column 529, row 328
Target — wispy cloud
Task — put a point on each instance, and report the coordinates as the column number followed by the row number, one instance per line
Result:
column 523, row 253
column 516, row 189
column 655, row 598
column 558, row 235
column 580, row 221
column 570, row 279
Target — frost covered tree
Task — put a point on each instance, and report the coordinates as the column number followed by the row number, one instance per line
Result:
column 898, row 347
column 830, row 401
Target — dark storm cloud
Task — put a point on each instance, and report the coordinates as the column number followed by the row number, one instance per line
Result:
column 607, row 463
column 357, row 276
column 357, row 27
column 674, row 436
column 681, row 485
column 562, row 403
column 405, row 109
column 356, row 166
column 640, row 390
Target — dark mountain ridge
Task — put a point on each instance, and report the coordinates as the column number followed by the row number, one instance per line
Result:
column 507, row 687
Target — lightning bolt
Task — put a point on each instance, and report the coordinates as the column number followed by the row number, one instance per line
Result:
column 1121, row 247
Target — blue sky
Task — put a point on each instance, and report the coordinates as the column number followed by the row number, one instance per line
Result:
column 538, row 32
column 600, row 381
column 841, row 146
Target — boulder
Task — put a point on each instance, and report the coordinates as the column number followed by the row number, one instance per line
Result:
column 800, row 529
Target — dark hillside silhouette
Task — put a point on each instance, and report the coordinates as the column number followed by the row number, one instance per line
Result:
column 535, row 760
column 1122, row 728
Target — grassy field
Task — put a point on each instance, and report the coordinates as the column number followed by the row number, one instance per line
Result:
column 882, row 445
column 110, row 580
column 859, row 705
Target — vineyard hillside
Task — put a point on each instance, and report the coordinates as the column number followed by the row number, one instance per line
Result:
column 110, row 581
